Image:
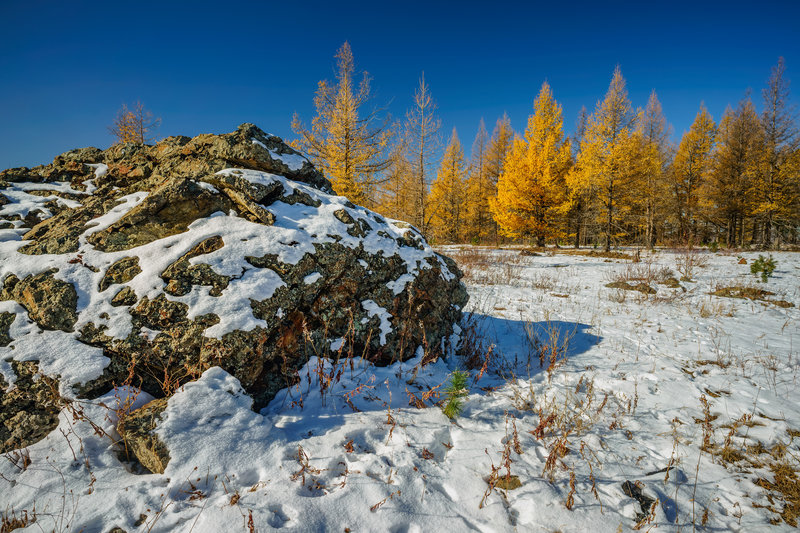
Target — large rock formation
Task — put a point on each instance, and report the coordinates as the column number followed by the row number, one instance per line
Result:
column 147, row 265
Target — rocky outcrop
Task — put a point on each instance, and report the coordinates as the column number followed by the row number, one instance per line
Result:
column 221, row 250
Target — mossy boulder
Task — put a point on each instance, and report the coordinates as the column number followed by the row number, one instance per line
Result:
column 216, row 251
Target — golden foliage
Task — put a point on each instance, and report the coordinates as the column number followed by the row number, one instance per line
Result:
column 531, row 189
column 448, row 194
column 135, row 125
column 347, row 147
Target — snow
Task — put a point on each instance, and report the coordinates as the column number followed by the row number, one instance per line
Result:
column 214, row 404
column 397, row 286
column 297, row 229
column 293, row 161
column 21, row 203
column 311, row 278
column 57, row 186
column 60, row 354
column 124, row 205
column 343, row 448
column 100, row 170
column 373, row 309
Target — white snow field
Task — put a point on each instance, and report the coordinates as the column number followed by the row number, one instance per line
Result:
column 690, row 398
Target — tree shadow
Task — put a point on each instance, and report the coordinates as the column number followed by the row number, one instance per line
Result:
column 327, row 392
column 519, row 344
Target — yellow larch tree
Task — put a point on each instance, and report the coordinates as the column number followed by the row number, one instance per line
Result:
column 448, row 193
column 580, row 204
column 396, row 197
column 531, row 191
column 604, row 158
column 496, row 152
column 734, row 162
column 655, row 152
column 422, row 136
column 348, row 147
column 479, row 189
column 135, row 125
column 690, row 170
column 776, row 189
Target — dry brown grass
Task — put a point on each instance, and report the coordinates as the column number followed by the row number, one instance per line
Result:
column 783, row 488
column 594, row 253
column 644, row 288
column 737, row 453
column 9, row 520
column 749, row 292
column 482, row 266
column 646, row 271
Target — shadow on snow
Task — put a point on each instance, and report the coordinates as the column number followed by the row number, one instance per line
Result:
column 326, row 392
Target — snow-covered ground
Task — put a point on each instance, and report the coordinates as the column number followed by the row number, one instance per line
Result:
column 619, row 398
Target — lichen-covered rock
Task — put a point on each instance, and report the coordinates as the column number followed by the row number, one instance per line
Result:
column 121, row 271
column 6, row 319
column 28, row 410
column 218, row 251
column 181, row 275
column 50, row 302
column 137, row 432
column 167, row 210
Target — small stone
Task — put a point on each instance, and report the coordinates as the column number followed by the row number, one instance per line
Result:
column 121, row 271
column 508, row 483
column 137, row 429
column 125, row 296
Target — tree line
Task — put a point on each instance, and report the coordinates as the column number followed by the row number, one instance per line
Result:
column 618, row 179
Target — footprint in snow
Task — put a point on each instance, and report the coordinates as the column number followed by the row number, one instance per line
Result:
column 280, row 516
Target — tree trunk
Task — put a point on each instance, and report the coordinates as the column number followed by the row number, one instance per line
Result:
column 767, row 243
column 609, row 216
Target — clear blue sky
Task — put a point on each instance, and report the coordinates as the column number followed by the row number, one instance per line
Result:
column 209, row 66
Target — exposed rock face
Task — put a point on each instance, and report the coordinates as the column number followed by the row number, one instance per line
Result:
column 221, row 250
column 137, row 430
column 50, row 302
column 29, row 411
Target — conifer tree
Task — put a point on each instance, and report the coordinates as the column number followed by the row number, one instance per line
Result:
column 579, row 198
column 479, row 189
column 422, row 133
column 603, row 163
column 396, row 198
column 448, row 193
column 777, row 186
column 346, row 144
column 135, row 125
column 690, row 169
column 499, row 146
column 531, row 189
column 735, row 159
column 655, row 153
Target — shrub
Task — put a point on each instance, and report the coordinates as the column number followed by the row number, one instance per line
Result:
column 764, row 266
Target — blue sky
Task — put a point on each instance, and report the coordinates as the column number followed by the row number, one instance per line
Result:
column 208, row 66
